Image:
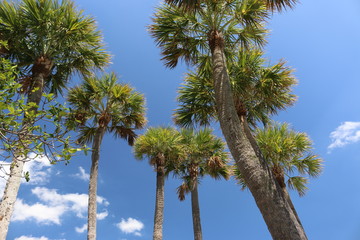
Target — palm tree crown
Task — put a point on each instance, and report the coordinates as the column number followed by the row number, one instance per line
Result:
column 204, row 155
column 103, row 103
column 159, row 142
column 186, row 35
column 51, row 37
column 289, row 156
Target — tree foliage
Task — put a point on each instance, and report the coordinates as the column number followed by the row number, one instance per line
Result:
column 289, row 155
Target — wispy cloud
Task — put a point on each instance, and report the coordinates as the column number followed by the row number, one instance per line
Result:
column 346, row 133
column 102, row 215
column 81, row 229
column 130, row 226
column 34, row 238
column 82, row 174
column 53, row 205
column 31, row 238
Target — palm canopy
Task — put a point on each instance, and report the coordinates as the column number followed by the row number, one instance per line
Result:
column 261, row 90
column 55, row 32
column 272, row 5
column 289, row 155
column 186, row 35
column 204, row 155
column 159, row 143
column 107, row 104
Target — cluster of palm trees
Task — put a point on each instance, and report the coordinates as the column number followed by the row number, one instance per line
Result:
column 231, row 84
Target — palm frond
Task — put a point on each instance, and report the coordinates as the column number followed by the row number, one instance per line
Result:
column 86, row 135
column 125, row 133
column 299, row 184
column 280, row 5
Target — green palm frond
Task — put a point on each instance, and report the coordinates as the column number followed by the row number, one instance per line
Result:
column 125, row 133
column 298, row 184
column 86, row 135
column 189, row 5
column 280, row 5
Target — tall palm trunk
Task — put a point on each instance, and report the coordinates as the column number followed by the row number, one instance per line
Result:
column 275, row 209
column 95, row 156
column 196, row 212
column 159, row 202
column 40, row 71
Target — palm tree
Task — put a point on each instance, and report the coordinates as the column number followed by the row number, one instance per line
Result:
column 162, row 146
column 100, row 106
column 289, row 155
column 49, row 41
column 217, row 29
column 205, row 155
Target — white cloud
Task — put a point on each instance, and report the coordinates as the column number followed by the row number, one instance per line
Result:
column 81, row 229
column 346, row 133
column 82, row 174
column 53, row 205
column 31, row 238
column 130, row 225
column 38, row 212
column 102, row 215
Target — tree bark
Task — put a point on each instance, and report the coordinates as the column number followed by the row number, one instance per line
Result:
column 195, row 207
column 40, row 71
column 275, row 209
column 159, row 202
column 95, row 156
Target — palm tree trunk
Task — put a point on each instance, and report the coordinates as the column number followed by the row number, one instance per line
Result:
column 159, row 202
column 275, row 209
column 196, row 213
column 13, row 183
column 95, row 156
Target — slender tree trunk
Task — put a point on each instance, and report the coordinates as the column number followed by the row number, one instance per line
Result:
column 196, row 213
column 40, row 70
column 95, row 156
column 275, row 209
column 159, row 202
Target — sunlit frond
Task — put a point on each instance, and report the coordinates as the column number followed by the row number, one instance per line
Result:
column 164, row 141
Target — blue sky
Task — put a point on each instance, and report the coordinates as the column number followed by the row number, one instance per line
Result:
column 320, row 39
